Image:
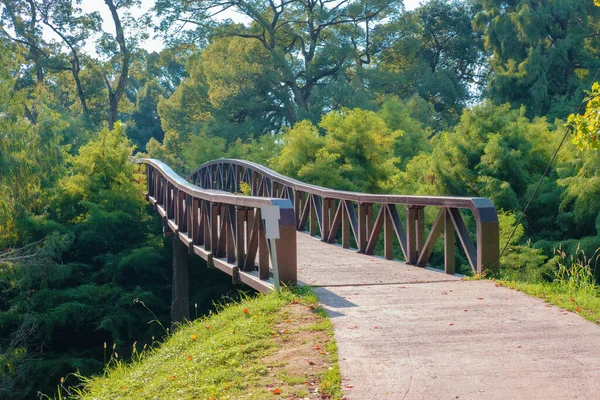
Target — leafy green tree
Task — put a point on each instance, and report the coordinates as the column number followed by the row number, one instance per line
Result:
column 31, row 158
column 116, row 78
column 106, row 254
column 20, row 23
column 493, row 152
column 355, row 153
column 73, row 28
column 398, row 116
column 308, row 43
column 587, row 126
column 434, row 52
column 145, row 118
column 579, row 208
column 543, row 52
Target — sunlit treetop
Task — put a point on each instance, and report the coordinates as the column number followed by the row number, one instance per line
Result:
column 587, row 126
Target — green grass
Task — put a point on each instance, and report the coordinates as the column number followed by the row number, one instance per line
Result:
column 574, row 287
column 585, row 302
column 226, row 356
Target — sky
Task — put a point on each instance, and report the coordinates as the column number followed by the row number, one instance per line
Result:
column 156, row 44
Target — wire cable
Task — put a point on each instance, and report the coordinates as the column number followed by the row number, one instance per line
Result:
column 569, row 129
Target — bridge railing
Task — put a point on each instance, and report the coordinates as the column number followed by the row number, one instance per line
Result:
column 330, row 211
column 223, row 228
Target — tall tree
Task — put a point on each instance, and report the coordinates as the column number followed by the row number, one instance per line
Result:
column 116, row 91
column 22, row 18
column 309, row 42
column 73, row 28
column 433, row 51
column 544, row 53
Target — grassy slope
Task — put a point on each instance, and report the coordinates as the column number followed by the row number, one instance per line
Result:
column 581, row 301
column 264, row 347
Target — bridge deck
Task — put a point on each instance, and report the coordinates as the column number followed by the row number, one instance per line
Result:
column 408, row 333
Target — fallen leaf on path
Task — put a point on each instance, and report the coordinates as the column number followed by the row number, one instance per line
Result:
column 349, row 386
column 480, row 298
column 276, row 391
column 450, row 323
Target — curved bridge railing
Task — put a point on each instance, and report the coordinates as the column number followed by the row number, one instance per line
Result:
column 330, row 211
column 225, row 229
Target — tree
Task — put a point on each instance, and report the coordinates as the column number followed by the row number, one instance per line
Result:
column 21, row 16
column 543, row 52
column 309, row 43
column 493, row 152
column 355, row 153
column 31, row 158
column 74, row 29
column 587, row 126
column 93, row 251
column 115, row 92
column 434, row 52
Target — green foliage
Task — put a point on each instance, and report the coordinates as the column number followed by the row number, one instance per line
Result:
column 519, row 262
column 225, row 353
column 77, row 288
column 398, row 116
column 433, row 51
column 355, row 153
column 542, row 56
column 587, row 126
column 493, row 152
column 292, row 60
column 31, row 157
column 578, row 177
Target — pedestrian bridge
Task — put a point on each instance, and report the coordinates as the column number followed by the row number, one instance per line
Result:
column 217, row 214
column 403, row 330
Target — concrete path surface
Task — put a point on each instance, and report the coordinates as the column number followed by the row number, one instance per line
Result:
column 410, row 333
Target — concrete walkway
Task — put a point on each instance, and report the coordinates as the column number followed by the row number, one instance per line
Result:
column 405, row 332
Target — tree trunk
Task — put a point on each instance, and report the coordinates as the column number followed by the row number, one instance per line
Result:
column 180, row 308
column 115, row 96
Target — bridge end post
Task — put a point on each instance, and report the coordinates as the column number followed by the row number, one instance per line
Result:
column 287, row 253
column 488, row 248
column 488, row 236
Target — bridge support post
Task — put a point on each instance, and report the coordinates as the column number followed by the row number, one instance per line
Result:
column 415, row 233
column 180, row 308
column 287, row 251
